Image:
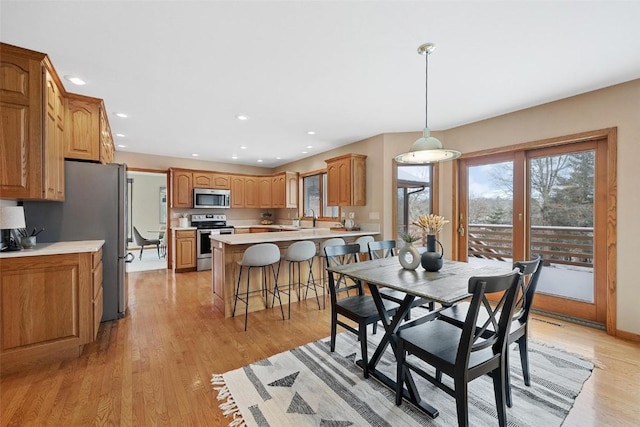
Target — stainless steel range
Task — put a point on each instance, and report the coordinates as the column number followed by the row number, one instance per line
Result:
column 208, row 224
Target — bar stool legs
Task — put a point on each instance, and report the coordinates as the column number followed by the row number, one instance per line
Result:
column 263, row 256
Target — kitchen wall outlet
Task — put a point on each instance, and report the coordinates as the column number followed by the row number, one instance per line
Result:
column 343, row 215
column 352, row 215
column 374, row 215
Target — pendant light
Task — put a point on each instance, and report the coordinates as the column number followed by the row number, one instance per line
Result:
column 427, row 149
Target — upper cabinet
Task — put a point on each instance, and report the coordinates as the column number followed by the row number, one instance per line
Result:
column 346, row 176
column 32, row 123
column 181, row 188
column 264, row 192
column 237, row 191
column 203, row 179
column 284, row 190
column 89, row 135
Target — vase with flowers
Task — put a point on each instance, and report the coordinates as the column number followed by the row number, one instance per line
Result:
column 430, row 225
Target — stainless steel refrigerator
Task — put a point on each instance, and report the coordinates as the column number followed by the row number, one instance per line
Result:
column 94, row 209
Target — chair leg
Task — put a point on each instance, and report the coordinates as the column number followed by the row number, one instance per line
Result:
column 499, row 385
column 158, row 249
column 312, row 280
column 362, row 332
column 462, row 404
column 276, row 290
column 246, row 306
column 507, row 379
column 524, row 358
column 401, row 371
column 235, row 301
column 141, row 249
column 334, row 329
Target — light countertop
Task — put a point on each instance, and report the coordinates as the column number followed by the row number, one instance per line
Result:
column 57, row 248
column 183, row 228
column 287, row 236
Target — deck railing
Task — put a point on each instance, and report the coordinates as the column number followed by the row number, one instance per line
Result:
column 558, row 245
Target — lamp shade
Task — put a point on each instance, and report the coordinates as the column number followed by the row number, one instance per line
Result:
column 427, row 149
column 11, row 217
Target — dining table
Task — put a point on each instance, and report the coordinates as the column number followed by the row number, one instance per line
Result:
column 447, row 286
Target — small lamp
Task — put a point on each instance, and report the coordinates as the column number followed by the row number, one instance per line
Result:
column 11, row 217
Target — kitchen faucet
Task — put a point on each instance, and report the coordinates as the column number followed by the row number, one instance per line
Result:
column 314, row 217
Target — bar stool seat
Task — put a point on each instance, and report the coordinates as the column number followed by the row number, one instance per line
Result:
column 261, row 255
column 296, row 254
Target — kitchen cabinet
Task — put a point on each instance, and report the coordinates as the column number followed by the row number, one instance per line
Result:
column 89, row 135
column 204, row 179
column 50, row 307
column 237, row 191
column 185, row 250
column 346, row 176
column 181, row 188
column 264, row 192
column 284, row 190
column 32, row 123
column 251, row 192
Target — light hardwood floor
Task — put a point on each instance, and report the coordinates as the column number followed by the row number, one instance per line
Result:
column 153, row 367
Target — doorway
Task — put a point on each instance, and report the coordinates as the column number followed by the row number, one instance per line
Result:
column 148, row 214
column 553, row 199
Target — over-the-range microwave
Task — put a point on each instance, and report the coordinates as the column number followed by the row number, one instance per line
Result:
column 207, row 198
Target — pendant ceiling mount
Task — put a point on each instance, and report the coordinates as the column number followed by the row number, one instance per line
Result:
column 427, row 149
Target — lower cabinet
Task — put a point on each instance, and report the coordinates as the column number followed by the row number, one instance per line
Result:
column 50, row 307
column 185, row 250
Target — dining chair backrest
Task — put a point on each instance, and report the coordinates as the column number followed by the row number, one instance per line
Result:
column 531, row 273
column 382, row 249
column 479, row 337
column 340, row 283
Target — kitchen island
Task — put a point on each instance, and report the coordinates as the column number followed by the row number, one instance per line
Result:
column 50, row 302
column 227, row 250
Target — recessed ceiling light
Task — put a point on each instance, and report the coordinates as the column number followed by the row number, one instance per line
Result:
column 121, row 135
column 121, row 115
column 278, row 158
column 242, row 117
column 122, row 146
column 242, row 147
column 304, row 152
column 76, row 80
column 311, row 132
column 309, row 146
column 195, row 155
column 234, row 157
column 259, row 160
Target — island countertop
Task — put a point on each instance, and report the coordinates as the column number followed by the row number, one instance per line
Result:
column 287, row 236
column 57, row 248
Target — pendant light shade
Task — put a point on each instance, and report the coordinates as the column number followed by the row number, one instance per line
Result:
column 427, row 149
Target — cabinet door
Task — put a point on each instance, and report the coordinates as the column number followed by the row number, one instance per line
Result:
column 53, row 141
column 333, row 184
column 202, row 179
column 278, row 191
column 221, row 181
column 344, row 182
column 264, row 192
column 185, row 249
column 83, row 142
column 21, row 124
column 291, row 192
column 250, row 192
column 358, row 181
column 182, row 189
column 106, row 139
column 237, row 191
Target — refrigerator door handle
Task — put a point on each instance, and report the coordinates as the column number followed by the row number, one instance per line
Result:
column 128, row 258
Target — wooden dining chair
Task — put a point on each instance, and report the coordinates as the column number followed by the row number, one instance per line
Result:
column 384, row 249
column 466, row 353
column 519, row 329
column 359, row 308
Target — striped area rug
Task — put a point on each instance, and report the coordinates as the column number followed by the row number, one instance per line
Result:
column 310, row 386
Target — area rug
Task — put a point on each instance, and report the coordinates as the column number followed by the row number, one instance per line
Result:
column 310, row 386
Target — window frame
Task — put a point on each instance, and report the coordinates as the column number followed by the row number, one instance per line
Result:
column 321, row 215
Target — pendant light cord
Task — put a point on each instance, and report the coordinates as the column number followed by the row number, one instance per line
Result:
column 426, row 91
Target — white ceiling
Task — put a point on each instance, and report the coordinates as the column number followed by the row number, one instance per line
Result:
column 348, row 70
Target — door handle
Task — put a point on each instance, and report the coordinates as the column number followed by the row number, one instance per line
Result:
column 461, row 230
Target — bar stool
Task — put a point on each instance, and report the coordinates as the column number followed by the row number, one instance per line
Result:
column 334, row 241
column 298, row 253
column 262, row 255
column 363, row 241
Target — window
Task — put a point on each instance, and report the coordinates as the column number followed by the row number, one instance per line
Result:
column 313, row 193
column 414, row 195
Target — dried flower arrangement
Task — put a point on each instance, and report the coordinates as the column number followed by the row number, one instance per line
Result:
column 431, row 224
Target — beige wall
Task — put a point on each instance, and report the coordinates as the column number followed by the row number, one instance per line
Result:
column 616, row 106
column 148, row 161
